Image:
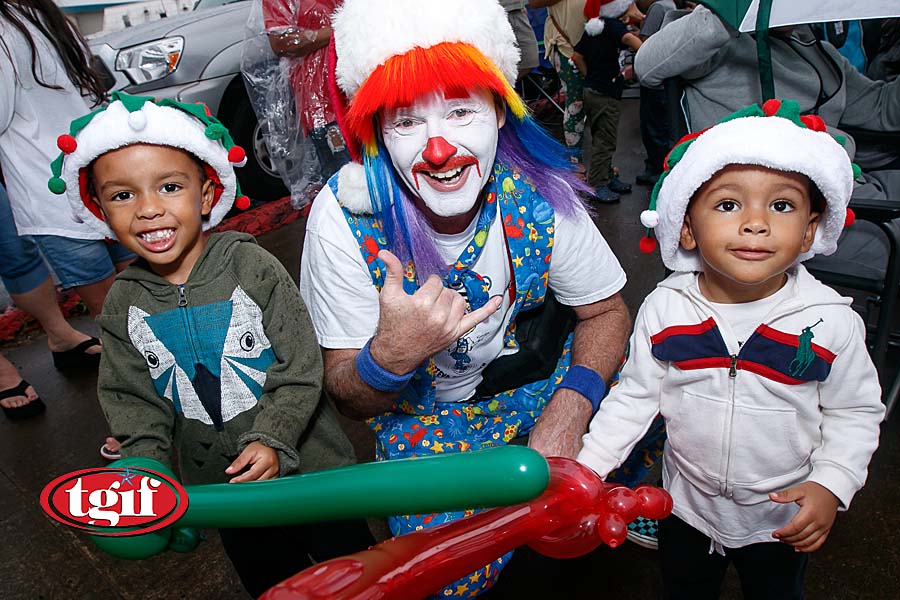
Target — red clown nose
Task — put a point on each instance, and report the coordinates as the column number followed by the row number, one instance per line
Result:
column 438, row 151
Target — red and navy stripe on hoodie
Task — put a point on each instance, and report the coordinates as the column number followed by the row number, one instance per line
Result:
column 768, row 352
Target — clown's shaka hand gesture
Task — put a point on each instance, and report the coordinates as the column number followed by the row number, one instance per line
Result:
column 413, row 327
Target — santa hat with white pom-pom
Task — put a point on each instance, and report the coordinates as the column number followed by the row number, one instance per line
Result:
column 131, row 120
column 773, row 135
column 594, row 10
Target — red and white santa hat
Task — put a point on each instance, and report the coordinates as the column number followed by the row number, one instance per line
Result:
column 595, row 9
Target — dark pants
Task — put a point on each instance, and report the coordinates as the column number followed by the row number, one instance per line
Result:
column 768, row 571
column 656, row 128
column 264, row 556
column 603, row 119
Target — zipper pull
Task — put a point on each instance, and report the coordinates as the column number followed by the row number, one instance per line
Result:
column 182, row 298
column 732, row 371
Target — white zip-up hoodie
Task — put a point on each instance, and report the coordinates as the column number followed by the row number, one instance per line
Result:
column 745, row 421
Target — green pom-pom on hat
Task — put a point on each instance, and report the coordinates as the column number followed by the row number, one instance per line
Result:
column 57, row 185
column 216, row 131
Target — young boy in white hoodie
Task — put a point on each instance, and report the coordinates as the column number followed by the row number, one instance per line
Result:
column 761, row 373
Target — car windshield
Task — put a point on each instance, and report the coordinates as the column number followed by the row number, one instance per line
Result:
column 201, row 4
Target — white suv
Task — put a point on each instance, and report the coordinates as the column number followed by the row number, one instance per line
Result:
column 195, row 57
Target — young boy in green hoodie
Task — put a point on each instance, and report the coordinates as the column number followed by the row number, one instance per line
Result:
column 208, row 348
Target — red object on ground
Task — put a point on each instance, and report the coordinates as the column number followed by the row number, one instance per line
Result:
column 575, row 514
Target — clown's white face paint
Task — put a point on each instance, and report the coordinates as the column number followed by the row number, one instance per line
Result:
column 444, row 148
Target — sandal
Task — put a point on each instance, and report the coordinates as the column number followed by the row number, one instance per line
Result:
column 77, row 357
column 17, row 413
column 108, row 454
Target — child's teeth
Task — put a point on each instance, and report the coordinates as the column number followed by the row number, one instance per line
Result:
column 159, row 234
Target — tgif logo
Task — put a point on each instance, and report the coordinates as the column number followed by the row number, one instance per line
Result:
column 115, row 501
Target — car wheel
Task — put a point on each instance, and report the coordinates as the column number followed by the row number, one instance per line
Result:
column 259, row 179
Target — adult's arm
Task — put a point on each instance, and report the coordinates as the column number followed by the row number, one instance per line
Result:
column 598, row 343
column 870, row 104
column 632, row 41
column 297, row 43
column 411, row 328
column 688, row 48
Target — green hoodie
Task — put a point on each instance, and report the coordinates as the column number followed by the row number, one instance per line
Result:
column 206, row 368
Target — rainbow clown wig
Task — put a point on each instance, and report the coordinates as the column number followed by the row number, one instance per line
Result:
column 386, row 54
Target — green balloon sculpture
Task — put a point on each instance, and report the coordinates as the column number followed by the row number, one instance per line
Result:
column 499, row 476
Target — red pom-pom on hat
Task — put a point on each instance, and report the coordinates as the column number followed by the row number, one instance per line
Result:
column 813, row 122
column 770, row 107
column 849, row 218
column 242, row 202
column 236, row 154
column 66, row 143
column 647, row 244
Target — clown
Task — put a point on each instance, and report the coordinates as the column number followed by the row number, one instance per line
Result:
column 428, row 242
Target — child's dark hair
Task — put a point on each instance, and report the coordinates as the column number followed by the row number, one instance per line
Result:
column 817, row 203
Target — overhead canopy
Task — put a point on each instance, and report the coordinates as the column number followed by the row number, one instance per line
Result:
column 741, row 14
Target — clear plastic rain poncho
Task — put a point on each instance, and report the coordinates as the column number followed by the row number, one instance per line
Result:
column 289, row 92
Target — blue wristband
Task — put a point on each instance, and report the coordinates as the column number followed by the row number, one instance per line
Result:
column 377, row 376
column 586, row 382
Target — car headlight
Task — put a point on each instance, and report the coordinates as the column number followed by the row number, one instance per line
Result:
column 151, row 61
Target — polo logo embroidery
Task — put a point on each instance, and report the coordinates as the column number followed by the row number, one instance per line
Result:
column 805, row 355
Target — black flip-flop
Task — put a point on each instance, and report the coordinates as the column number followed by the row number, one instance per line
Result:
column 78, row 357
column 17, row 413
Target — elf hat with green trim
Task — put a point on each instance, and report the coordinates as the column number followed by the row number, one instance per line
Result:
column 131, row 120
column 773, row 136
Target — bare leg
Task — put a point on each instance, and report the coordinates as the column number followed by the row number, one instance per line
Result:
column 9, row 378
column 41, row 303
column 94, row 294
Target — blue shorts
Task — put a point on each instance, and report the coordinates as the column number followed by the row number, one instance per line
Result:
column 21, row 267
column 81, row 262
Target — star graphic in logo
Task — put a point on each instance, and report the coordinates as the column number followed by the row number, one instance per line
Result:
column 127, row 476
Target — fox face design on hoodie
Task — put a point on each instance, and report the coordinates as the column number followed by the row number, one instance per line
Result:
column 209, row 371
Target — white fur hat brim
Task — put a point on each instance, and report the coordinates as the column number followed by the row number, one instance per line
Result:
column 772, row 142
column 614, row 9
column 369, row 32
column 116, row 127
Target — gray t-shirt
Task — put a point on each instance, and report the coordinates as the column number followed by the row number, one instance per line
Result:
column 653, row 20
column 511, row 5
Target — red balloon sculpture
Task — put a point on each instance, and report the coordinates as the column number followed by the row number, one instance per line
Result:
column 575, row 514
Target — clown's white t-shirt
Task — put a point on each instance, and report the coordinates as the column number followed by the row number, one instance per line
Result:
column 343, row 303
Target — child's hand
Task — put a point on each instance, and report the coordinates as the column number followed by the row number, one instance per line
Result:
column 263, row 463
column 810, row 527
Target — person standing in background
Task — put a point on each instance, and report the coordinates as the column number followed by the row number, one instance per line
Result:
column 563, row 29
column 44, row 70
column 517, row 15
column 302, row 33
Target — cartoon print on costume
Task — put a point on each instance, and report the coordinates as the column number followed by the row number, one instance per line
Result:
column 460, row 353
column 209, row 372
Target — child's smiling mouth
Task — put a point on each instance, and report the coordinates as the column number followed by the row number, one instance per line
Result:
column 157, row 240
